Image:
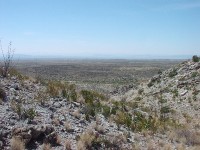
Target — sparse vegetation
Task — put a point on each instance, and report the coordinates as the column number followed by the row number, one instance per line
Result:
column 111, row 121
column 194, row 74
column 30, row 113
column 17, row 144
column 46, row 146
column 7, row 59
column 173, row 73
column 68, row 145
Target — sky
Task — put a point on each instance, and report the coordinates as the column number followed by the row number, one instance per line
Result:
column 101, row 28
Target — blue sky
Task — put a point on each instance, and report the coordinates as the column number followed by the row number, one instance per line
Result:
column 117, row 28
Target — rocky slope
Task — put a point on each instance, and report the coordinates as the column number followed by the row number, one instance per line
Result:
column 175, row 95
column 59, row 121
column 163, row 113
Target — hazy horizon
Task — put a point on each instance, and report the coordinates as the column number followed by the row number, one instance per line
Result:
column 19, row 57
column 101, row 29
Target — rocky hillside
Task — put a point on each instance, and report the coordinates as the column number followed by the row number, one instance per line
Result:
column 163, row 113
column 173, row 95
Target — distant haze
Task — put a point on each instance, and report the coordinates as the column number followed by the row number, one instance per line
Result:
column 130, row 29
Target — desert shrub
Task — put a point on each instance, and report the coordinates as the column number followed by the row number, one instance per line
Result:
column 70, row 92
column 86, row 139
column 195, row 58
column 68, row 144
column 113, row 110
column 163, row 112
column 89, row 140
column 17, row 144
column 57, row 88
column 162, row 100
column 165, row 109
column 53, row 88
column 16, row 73
column 68, row 127
column 140, row 91
column 191, row 138
column 173, row 73
column 17, row 108
column 29, row 113
column 72, row 95
column 90, row 96
column 138, row 98
column 7, row 59
column 175, row 93
column 93, row 104
column 39, row 79
column 194, row 74
column 89, row 110
column 133, row 105
column 106, row 111
column 42, row 97
column 46, row 146
column 23, row 113
column 123, row 118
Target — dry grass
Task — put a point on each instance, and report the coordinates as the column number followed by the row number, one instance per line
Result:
column 117, row 140
column 136, row 146
column 80, row 145
column 167, row 147
column 56, row 122
column 17, row 144
column 46, row 146
column 58, row 140
column 76, row 114
column 151, row 146
column 68, row 126
column 99, row 128
column 188, row 137
column 68, row 145
column 85, row 140
column 171, row 136
column 195, row 148
column 161, row 143
column 181, row 147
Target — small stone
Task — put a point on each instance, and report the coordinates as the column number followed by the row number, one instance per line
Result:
column 57, row 105
column 183, row 93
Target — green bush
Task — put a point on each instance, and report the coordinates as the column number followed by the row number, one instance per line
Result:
column 173, row 73
column 91, row 96
column 57, row 88
column 175, row 92
column 123, row 118
column 195, row 58
column 106, row 111
column 30, row 113
column 194, row 74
